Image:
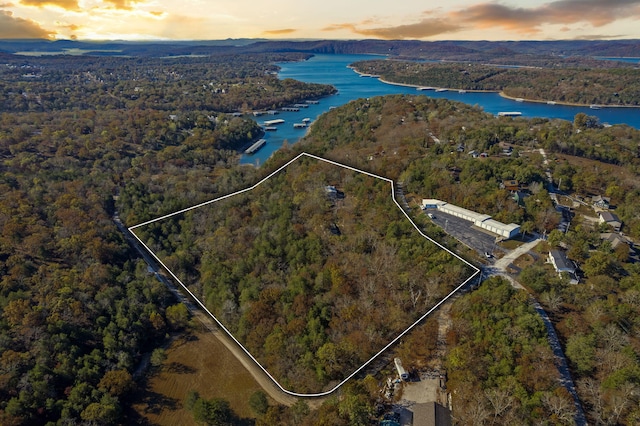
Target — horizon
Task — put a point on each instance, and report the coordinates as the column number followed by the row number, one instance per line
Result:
column 459, row 20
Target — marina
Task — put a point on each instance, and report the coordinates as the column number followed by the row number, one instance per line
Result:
column 333, row 69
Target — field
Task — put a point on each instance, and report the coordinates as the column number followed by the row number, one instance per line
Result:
column 196, row 361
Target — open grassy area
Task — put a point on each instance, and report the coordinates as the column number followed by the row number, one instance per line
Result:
column 197, row 361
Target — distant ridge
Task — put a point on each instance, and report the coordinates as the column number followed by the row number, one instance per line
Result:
column 546, row 53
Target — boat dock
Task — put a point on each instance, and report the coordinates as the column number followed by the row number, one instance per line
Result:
column 509, row 114
column 256, row 146
column 273, row 122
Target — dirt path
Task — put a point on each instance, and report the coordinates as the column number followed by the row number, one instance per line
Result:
column 258, row 374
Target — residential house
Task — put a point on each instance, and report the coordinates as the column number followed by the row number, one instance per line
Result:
column 601, row 202
column 510, row 185
column 431, row 414
column 610, row 219
column 562, row 265
column 616, row 241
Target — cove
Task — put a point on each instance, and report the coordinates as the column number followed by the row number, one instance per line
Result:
column 333, row 69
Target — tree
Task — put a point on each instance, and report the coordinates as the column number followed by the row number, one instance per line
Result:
column 116, row 382
column 158, row 356
column 259, row 403
column 581, row 351
column 213, row 412
column 177, row 316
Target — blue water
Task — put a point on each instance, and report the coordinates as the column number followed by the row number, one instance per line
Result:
column 332, row 69
column 630, row 60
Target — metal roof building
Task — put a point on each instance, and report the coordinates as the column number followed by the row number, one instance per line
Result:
column 480, row 220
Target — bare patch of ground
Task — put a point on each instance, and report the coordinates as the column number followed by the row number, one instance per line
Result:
column 199, row 362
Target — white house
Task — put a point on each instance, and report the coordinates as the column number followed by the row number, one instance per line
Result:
column 562, row 264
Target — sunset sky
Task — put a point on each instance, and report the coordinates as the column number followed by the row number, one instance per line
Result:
column 328, row 19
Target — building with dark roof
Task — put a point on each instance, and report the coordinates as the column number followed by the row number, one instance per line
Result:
column 562, row 265
column 610, row 219
column 431, row 414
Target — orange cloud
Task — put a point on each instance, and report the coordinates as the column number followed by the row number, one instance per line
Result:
column 422, row 29
column 561, row 12
column 12, row 27
column 280, row 32
column 72, row 27
column 122, row 4
column 486, row 15
column 65, row 4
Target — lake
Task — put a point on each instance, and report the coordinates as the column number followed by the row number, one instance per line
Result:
column 332, row 69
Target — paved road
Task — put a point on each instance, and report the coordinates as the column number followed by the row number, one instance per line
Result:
column 500, row 268
column 263, row 380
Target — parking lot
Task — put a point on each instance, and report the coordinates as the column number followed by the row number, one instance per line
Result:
column 465, row 232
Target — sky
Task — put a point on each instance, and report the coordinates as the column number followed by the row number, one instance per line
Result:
column 328, row 19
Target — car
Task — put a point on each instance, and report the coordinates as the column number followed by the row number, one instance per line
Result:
column 431, row 216
column 488, row 255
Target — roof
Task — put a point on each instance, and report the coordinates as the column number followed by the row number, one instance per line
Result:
column 432, row 202
column 615, row 239
column 600, row 198
column 502, row 226
column 455, row 210
column 609, row 217
column 561, row 260
column 431, row 414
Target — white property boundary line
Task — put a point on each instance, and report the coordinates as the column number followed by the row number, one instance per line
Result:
column 394, row 341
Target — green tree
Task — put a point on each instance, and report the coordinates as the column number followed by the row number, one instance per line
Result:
column 177, row 316
column 581, row 351
column 158, row 356
column 259, row 403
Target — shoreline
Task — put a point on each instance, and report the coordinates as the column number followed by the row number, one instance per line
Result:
column 504, row 95
column 537, row 101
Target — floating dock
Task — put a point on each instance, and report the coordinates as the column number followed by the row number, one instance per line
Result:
column 299, row 125
column 273, row 122
column 256, row 146
column 509, row 114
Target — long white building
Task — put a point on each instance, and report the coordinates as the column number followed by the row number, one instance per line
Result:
column 480, row 220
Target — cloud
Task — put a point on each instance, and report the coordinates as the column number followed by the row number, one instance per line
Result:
column 12, row 27
column 561, row 12
column 64, row 4
column 72, row 27
column 487, row 15
column 422, row 29
column 122, row 4
column 280, row 32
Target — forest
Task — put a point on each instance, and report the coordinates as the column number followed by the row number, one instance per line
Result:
column 85, row 137
column 79, row 311
column 582, row 86
column 596, row 319
column 314, row 271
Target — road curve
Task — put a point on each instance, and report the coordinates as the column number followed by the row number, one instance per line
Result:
column 499, row 268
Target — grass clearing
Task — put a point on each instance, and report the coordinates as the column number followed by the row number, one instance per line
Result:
column 196, row 361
